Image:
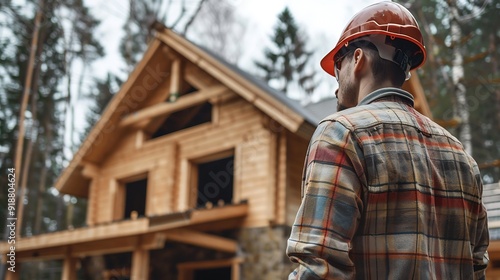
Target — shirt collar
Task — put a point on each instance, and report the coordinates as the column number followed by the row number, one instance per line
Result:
column 384, row 92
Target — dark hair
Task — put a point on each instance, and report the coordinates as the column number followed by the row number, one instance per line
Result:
column 384, row 69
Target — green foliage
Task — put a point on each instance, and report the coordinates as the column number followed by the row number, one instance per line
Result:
column 287, row 60
column 480, row 48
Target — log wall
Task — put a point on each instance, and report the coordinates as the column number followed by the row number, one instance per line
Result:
column 170, row 161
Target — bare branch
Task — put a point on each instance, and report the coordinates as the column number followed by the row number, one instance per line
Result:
column 193, row 16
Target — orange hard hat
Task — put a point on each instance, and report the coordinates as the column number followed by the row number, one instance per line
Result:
column 384, row 18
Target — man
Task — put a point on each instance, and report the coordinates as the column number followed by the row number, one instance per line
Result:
column 388, row 194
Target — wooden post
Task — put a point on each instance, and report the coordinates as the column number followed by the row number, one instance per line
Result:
column 235, row 271
column 9, row 275
column 175, row 80
column 140, row 264
column 69, row 268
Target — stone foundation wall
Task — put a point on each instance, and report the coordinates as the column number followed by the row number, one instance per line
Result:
column 264, row 253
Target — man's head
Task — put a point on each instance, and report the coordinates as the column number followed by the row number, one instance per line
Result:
column 378, row 48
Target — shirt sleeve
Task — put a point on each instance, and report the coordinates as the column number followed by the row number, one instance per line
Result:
column 481, row 241
column 331, row 206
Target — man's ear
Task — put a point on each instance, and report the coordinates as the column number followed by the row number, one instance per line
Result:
column 360, row 61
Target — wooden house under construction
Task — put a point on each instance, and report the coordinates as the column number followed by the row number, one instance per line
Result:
column 192, row 172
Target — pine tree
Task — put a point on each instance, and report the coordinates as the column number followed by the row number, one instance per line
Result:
column 287, row 60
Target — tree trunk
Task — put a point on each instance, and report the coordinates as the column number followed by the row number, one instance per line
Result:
column 27, row 89
column 462, row 107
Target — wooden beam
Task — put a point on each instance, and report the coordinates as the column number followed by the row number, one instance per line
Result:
column 40, row 254
column 197, row 77
column 80, row 235
column 140, row 138
column 175, row 80
column 153, row 241
column 90, row 170
column 203, row 240
column 163, row 109
column 106, row 246
column 273, row 176
column 219, row 213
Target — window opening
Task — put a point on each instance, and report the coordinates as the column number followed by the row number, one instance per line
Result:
column 219, row 273
column 215, row 182
column 186, row 118
column 135, row 198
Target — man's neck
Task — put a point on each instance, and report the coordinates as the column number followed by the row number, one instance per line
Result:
column 368, row 86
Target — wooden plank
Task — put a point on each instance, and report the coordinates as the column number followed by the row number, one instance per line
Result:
column 140, row 138
column 225, row 98
column 203, row 240
column 183, row 186
column 51, row 253
column 141, row 156
column 153, row 241
column 92, row 206
column 198, row 78
column 219, row 213
column 210, row 141
column 160, row 189
column 163, row 109
column 106, row 246
column 281, row 178
column 129, row 167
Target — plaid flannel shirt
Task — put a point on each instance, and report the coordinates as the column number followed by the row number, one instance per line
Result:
column 388, row 194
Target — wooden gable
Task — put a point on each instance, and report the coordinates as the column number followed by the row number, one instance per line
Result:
column 170, row 65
